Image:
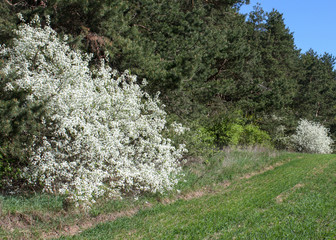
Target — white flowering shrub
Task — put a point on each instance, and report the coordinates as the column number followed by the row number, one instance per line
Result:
column 312, row 138
column 104, row 134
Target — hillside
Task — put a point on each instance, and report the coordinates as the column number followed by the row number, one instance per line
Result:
column 291, row 201
column 259, row 196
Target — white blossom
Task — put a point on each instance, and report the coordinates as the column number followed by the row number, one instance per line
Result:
column 312, row 138
column 106, row 133
column 179, row 128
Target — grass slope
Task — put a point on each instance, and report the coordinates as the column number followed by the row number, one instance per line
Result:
column 41, row 216
column 293, row 201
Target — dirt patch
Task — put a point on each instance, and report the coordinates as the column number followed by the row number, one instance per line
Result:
column 192, row 195
column 74, row 229
column 281, row 197
column 205, row 191
column 224, row 184
column 269, row 168
column 320, row 169
column 93, row 221
column 10, row 222
column 186, row 196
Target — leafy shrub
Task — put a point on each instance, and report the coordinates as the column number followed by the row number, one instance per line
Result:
column 206, row 137
column 236, row 131
column 198, row 140
column 253, row 135
column 101, row 133
column 229, row 133
column 279, row 129
column 312, row 138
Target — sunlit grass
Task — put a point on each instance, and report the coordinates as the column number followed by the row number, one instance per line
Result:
column 293, row 201
column 47, row 213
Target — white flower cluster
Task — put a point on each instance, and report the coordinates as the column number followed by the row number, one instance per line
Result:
column 104, row 132
column 312, row 138
column 179, row 128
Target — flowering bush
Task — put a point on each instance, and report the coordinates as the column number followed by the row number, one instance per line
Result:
column 312, row 138
column 103, row 134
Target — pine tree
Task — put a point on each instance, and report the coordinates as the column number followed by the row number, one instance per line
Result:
column 279, row 63
column 315, row 99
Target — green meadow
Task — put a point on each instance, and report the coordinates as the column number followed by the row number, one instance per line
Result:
column 293, row 201
column 237, row 194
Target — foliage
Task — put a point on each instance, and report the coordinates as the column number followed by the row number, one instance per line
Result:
column 203, row 56
column 182, row 48
column 229, row 134
column 253, row 135
column 8, row 22
column 312, row 138
column 237, row 130
column 101, row 133
column 276, row 60
column 315, row 98
column 198, row 140
column 19, row 121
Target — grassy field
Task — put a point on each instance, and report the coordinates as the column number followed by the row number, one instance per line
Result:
column 296, row 200
column 236, row 194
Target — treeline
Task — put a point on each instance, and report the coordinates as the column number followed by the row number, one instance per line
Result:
column 236, row 79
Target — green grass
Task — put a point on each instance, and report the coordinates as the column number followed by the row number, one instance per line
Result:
column 293, row 201
column 36, row 202
column 248, row 208
column 228, row 165
column 222, row 166
column 36, row 214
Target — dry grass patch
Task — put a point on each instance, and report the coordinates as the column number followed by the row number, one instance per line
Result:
column 283, row 196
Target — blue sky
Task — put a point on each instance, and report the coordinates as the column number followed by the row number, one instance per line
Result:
column 312, row 22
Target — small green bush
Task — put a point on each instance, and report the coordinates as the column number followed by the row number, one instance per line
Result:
column 199, row 140
column 253, row 135
column 237, row 131
column 231, row 133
